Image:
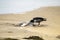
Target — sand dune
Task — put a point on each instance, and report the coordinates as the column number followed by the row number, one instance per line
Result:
column 48, row 30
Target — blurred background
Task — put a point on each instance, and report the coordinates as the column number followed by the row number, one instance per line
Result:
column 18, row 6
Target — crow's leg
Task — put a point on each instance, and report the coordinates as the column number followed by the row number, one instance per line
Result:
column 39, row 24
column 33, row 24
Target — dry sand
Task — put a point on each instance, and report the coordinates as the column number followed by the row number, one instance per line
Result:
column 48, row 29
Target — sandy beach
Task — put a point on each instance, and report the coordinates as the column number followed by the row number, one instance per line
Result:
column 48, row 30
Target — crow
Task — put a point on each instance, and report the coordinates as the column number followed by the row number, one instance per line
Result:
column 37, row 20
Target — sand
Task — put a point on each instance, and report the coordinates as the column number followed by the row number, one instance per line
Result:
column 48, row 30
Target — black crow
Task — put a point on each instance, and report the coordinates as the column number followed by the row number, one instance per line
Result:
column 37, row 20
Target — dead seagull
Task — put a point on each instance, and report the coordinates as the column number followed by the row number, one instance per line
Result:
column 22, row 24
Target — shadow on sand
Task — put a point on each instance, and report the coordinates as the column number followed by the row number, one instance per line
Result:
column 8, row 39
column 33, row 38
column 58, row 36
column 43, row 25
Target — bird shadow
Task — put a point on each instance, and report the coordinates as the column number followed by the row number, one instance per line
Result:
column 8, row 39
column 42, row 25
column 58, row 36
column 33, row 38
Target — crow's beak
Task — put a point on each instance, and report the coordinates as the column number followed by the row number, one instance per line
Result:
column 45, row 19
